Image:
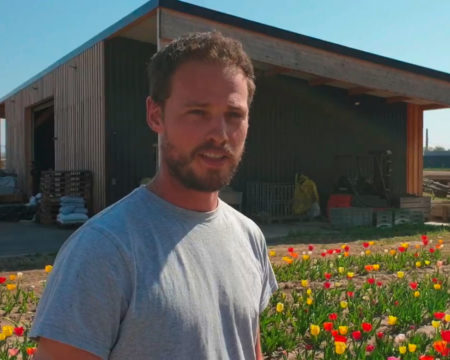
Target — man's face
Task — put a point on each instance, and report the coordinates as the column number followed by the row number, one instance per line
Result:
column 204, row 125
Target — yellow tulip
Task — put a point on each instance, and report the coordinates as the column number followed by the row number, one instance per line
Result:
column 447, row 318
column 343, row 330
column 280, row 307
column 304, row 283
column 412, row 347
column 340, row 347
column 427, row 262
column 402, row 349
column 437, row 286
column 416, row 294
column 12, row 277
column 309, row 291
column 305, row 257
column 392, row 320
column 418, row 264
column 405, row 245
column 392, row 252
column 309, row 301
column 341, row 269
column 7, row 330
column 11, row 286
column 2, row 336
column 400, row 274
column 272, row 253
column 344, row 246
column 371, row 243
column 314, row 329
column 344, row 304
column 376, row 267
column 368, row 252
column 436, row 324
column 48, row 268
column 350, row 274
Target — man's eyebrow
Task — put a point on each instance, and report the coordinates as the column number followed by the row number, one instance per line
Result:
column 195, row 104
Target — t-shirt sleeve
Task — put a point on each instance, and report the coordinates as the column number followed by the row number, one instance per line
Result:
column 87, row 294
column 269, row 282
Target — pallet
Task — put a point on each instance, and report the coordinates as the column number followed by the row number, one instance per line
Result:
column 419, row 203
column 441, row 210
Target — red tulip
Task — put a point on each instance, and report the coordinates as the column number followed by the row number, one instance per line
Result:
column 356, row 335
column 370, row 348
column 424, row 240
column 401, row 249
column 328, row 326
column 371, row 281
column 310, row 247
column 340, row 338
column 380, row 335
column 18, row 331
column 326, row 285
column 439, row 315
column 332, row 316
column 445, row 334
column 366, row 244
column 2, row 280
column 327, row 276
column 367, row 327
column 413, row 285
column 431, row 250
column 291, row 249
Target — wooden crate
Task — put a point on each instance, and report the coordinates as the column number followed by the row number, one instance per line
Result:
column 56, row 184
column 420, row 203
column 441, row 210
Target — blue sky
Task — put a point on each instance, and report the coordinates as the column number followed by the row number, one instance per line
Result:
column 34, row 34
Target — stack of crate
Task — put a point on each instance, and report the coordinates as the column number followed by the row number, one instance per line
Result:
column 416, row 204
column 55, row 184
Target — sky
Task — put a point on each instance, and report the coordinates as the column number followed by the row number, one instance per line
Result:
column 34, row 34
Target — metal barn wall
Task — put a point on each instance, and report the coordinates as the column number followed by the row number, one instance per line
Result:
column 131, row 150
column 298, row 128
column 77, row 90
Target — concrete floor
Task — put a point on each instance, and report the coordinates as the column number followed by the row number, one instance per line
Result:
column 26, row 238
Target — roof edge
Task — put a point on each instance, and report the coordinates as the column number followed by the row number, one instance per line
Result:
column 301, row 39
column 136, row 14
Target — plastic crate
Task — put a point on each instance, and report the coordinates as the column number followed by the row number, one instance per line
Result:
column 351, row 217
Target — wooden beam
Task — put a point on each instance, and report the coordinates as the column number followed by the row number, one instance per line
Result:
column 312, row 60
column 276, row 70
column 319, row 81
column 397, row 99
column 434, row 107
column 359, row 91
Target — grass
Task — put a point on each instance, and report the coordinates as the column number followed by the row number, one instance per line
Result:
column 436, row 169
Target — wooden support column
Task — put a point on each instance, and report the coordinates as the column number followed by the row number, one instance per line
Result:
column 414, row 149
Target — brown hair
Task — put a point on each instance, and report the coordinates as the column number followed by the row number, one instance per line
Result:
column 207, row 46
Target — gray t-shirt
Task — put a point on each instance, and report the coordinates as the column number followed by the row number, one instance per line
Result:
column 145, row 279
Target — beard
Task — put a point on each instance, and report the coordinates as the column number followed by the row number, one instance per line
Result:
column 181, row 166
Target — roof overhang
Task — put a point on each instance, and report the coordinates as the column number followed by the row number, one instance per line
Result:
column 276, row 51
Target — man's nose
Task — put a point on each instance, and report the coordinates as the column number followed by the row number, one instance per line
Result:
column 219, row 129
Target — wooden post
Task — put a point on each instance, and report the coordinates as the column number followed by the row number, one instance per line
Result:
column 414, row 150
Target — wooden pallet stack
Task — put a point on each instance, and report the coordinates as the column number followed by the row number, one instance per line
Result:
column 56, row 184
column 417, row 203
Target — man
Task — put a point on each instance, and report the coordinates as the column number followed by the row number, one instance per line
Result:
column 170, row 271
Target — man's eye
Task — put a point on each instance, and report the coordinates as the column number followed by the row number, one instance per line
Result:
column 197, row 112
column 235, row 115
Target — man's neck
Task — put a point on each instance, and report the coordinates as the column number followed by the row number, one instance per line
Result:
column 172, row 191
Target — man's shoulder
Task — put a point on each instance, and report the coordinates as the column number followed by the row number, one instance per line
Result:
column 242, row 221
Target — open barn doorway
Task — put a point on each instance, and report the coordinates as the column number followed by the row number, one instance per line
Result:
column 43, row 146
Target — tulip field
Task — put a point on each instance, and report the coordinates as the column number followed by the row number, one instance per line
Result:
column 356, row 300
column 350, row 302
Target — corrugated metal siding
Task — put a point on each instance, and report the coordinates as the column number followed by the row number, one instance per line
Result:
column 77, row 89
column 298, row 128
column 131, row 155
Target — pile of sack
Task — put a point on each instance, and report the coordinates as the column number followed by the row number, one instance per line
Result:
column 72, row 210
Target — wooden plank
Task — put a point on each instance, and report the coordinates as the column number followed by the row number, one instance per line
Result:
column 358, row 91
column 312, row 60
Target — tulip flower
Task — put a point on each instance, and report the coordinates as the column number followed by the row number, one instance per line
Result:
column 314, row 329
column 340, row 347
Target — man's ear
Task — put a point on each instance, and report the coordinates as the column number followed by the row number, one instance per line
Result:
column 154, row 115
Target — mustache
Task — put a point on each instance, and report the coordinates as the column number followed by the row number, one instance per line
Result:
column 212, row 147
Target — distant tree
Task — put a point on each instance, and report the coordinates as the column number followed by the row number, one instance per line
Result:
column 437, row 148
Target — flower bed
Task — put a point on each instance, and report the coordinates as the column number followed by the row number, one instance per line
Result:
column 336, row 305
